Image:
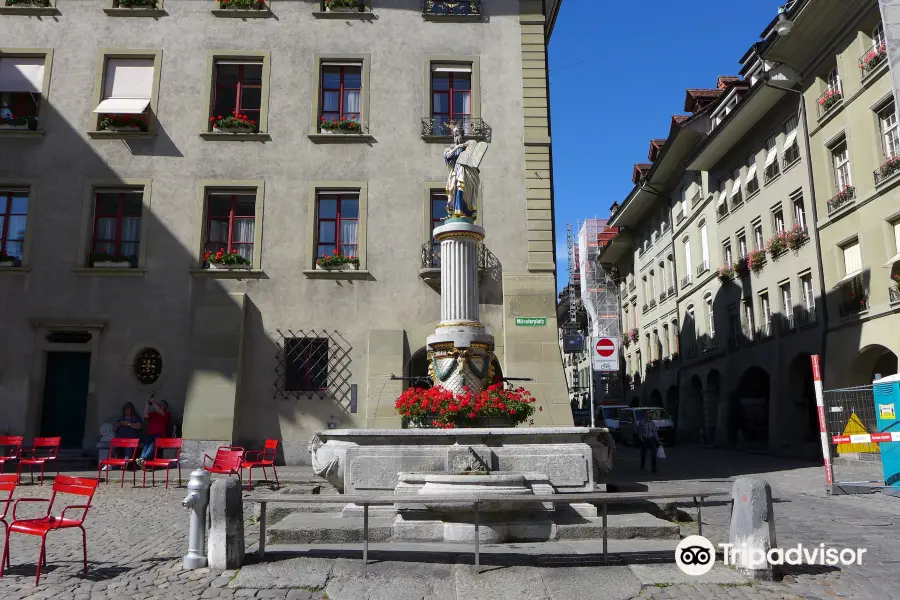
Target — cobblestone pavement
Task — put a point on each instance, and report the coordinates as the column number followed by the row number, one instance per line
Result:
column 136, row 538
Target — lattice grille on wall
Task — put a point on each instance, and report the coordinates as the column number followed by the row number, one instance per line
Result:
column 313, row 363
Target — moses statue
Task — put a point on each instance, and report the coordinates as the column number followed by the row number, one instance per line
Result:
column 463, row 160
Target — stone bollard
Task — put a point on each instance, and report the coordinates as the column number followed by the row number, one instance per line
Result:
column 197, row 500
column 752, row 527
column 226, row 532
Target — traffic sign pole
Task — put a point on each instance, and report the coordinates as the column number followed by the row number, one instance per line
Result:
column 591, row 365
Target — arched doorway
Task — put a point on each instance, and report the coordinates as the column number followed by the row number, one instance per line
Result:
column 671, row 404
column 656, row 399
column 871, row 361
column 752, row 418
column 690, row 415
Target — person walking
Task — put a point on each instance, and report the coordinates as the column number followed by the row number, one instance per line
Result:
column 648, row 436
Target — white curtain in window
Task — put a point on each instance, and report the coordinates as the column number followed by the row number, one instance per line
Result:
column 105, row 234
column 131, row 235
column 244, row 230
column 687, row 258
column 348, row 238
column 351, row 101
column 852, row 259
column 218, row 232
column 704, row 243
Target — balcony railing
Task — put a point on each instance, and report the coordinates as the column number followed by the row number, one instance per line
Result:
column 653, row 303
column 764, row 331
column 702, row 268
column 828, row 100
column 695, row 199
column 685, row 281
column 722, row 209
column 871, row 60
column 785, row 323
column 752, row 186
column 706, row 344
column 443, row 8
column 853, row 306
column 662, row 296
column 791, row 155
column 806, row 316
column 631, row 286
column 894, row 294
column 772, row 171
column 888, row 169
column 473, row 127
column 737, row 199
column 672, row 290
column 430, row 269
column 679, row 216
column 843, row 197
column 645, row 308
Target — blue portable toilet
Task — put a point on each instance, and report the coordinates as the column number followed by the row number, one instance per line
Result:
column 886, row 395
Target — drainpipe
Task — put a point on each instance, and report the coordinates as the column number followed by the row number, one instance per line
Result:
column 812, row 193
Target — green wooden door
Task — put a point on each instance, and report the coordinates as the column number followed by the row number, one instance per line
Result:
column 65, row 396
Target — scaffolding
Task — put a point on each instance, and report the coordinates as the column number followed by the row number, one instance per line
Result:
column 599, row 292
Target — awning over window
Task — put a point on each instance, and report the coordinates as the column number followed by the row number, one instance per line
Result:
column 22, row 74
column 444, row 68
column 847, row 278
column 736, row 187
column 123, row 106
column 790, row 139
column 127, row 86
column 721, row 199
column 770, row 157
column 751, row 172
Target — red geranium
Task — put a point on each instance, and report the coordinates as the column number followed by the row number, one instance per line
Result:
column 441, row 408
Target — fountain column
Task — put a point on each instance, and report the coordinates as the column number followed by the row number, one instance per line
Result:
column 460, row 350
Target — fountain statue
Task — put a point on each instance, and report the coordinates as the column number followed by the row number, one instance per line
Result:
column 461, row 351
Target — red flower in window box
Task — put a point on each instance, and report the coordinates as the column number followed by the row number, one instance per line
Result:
column 225, row 260
column 344, row 5
column 104, row 260
column 123, row 123
column 756, row 260
column 351, row 125
column 337, row 261
column 234, row 123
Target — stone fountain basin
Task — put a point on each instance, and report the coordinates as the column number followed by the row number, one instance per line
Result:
column 474, row 485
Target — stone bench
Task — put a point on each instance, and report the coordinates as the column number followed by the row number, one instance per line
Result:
column 604, row 499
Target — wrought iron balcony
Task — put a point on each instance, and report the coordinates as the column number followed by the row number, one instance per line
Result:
column 894, row 294
column 872, row 59
column 653, row 303
column 702, row 268
column 764, row 331
column 887, row 170
column 785, row 323
column 843, row 197
column 631, row 286
column 645, row 308
column 679, row 216
column 791, row 155
column 706, row 344
column 662, row 297
column 695, row 199
column 806, row 316
column 685, row 281
column 853, row 306
column 737, row 199
column 672, row 290
column 459, row 8
column 430, row 270
column 722, row 209
column 439, row 127
column 752, row 186
column 772, row 171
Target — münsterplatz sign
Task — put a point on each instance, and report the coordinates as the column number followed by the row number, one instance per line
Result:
column 531, row 321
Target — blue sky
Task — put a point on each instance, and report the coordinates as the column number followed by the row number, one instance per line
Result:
column 633, row 66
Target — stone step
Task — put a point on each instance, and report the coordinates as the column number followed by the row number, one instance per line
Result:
column 311, row 528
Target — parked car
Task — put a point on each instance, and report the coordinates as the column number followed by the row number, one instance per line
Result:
column 608, row 416
column 630, row 417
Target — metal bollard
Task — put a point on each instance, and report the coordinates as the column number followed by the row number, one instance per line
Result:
column 197, row 500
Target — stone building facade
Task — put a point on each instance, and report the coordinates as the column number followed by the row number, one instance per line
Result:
column 281, row 347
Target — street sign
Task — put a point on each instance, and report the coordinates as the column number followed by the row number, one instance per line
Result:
column 605, row 354
column 531, row 321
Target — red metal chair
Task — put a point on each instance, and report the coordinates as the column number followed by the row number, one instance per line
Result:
column 7, row 484
column 161, row 445
column 266, row 459
column 64, row 484
column 10, row 446
column 43, row 450
column 228, row 461
column 126, row 444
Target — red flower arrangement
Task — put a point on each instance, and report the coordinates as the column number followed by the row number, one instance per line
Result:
column 830, row 98
column 441, row 408
column 336, row 259
column 231, row 259
column 350, row 124
column 873, row 58
column 234, row 121
column 112, row 122
column 243, row 4
column 756, row 260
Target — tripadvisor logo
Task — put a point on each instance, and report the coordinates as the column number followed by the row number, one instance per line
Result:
column 695, row 555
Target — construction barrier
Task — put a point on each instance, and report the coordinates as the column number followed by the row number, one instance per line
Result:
column 853, row 440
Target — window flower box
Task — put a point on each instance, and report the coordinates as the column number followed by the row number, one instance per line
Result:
column 28, row 3
column 842, row 197
column 829, row 99
column 337, row 262
column 9, row 261
column 871, row 59
column 343, row 126
column 756, row 260
column 887, row 168
column 725, row 273
column 795, row 237
column 634, row 335
column 238, row 5
column 777, row 245
column 225, row 261
column 18, row 123
column 104, row 260
column 441, row 408
column 740, row 267
column 233, row 123
column 344, row 6
column 123, row 123
column 137, row 4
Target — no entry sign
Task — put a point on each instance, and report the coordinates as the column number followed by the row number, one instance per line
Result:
column 606, row 354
